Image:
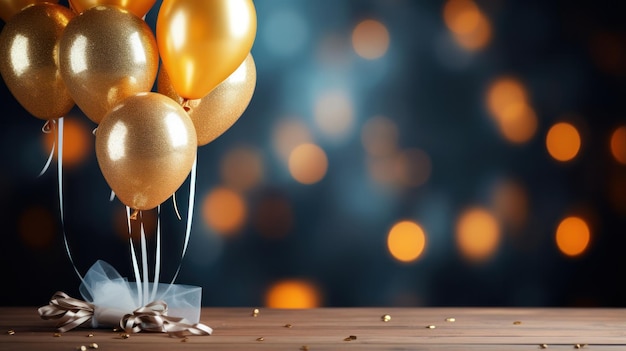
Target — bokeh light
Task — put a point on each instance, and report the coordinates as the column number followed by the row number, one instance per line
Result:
column 563, row 141
column 293, row 294
column 334, row 113
column 288, row 134
column 573, row 236
column 406, row 241
column 78, row 142
column 503, row 94
column 370, row 39
column 618, row 144
column 274, row 217
column 308, row 163
column 379, row 136
column 242, row 168
column 413, row 167
column 471, row 28
column 509, row 201
column 224, row 210
column 37, row 227
column 477, row 234
column 381, row 170
column 518, row 123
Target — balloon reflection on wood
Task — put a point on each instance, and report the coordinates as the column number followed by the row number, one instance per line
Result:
column 146, row 147
column 9, row 8
column 137, row 7
column 215, row 113
column 202, row 42
column 106, row 55
column 29, row 62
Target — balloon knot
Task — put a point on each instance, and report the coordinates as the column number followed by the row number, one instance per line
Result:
column 185, row 105
column 48, row 126
column 133, row 216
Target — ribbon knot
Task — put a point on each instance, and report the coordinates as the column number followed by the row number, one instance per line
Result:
column 70, row 312
column 152, row 317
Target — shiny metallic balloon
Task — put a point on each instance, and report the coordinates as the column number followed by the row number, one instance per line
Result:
column 145, row 148
column 9, row 8
column 107, row 54
column 29, row 62
column 202, row 42
column 215, row 113
column 138, row 7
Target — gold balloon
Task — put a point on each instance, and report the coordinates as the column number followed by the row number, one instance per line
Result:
column 107, row 54
column 138, row 7
column 9, row 8
column 221, row 108
column 145, row 148
column 29, row 62
column 203, row 42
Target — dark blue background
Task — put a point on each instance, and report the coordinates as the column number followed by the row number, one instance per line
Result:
column 338, row 238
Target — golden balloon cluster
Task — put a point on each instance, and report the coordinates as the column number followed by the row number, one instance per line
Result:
column 101, row 56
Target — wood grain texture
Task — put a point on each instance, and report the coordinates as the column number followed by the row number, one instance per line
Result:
column 326, row 329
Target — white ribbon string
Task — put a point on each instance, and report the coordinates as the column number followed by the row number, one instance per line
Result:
column 60, row 190
column 144, row 262
column 46, row 129
column 134, row 258
column 157, row 259
column 190, row 205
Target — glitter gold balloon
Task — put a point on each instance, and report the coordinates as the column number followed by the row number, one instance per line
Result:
column 138, row 7
column 107, row 54
column 28, row 60
column 202, row 42
column 9, row 8
column 145, row 148
column 215, row 113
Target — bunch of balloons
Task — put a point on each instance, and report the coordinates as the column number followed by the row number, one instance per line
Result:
column 101, row 56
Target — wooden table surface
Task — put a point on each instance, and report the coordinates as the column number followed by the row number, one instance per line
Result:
column 331, row 328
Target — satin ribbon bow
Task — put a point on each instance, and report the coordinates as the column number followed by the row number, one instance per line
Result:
column 152, row 317
column 70, row 312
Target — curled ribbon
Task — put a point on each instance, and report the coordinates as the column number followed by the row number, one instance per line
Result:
column 152, row 317
column 70, row 312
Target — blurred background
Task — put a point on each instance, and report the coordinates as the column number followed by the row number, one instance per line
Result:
column 395, row 153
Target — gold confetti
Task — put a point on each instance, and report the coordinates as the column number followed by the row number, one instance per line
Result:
column 517, row 322
column 579, row 346
column 431, row 327
column 115, row 330
column 57, row 335
column 82, row 348
column 90, row 335
column 451, row 319
column 125, row 335
column 386, row 318
column 255, row 312
column 288, row 325
column 347, row 339
column 260, row 339
column 93, row 346
column 184, row 339
column 543, row 346
column 304, row 348
column 11, row 332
